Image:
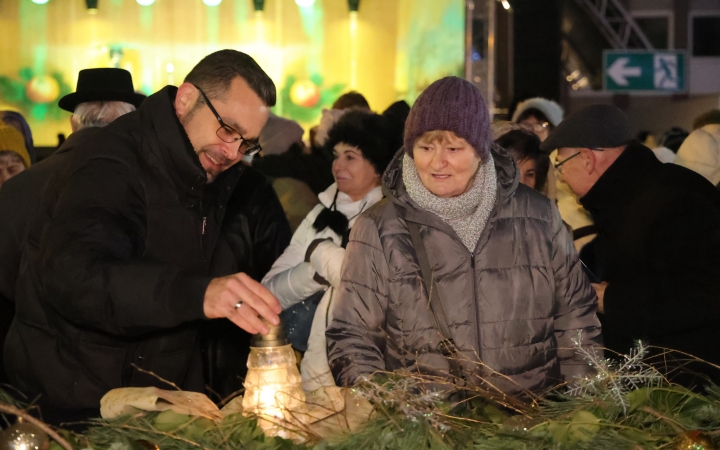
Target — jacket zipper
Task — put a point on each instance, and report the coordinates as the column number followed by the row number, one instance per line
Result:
column 477, row 304
column 203, row 227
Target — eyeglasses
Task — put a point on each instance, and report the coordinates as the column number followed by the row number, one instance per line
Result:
column 535, row 127
column 558, row 165
column 228, row 134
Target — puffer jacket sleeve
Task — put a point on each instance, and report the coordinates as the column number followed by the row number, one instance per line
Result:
column 90, row 266
column 575, row 305
column 291, row 278
column 327, row 261
column 356, row 336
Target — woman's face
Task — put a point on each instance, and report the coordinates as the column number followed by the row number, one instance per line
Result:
column 528, row 170
column 10, row 165
column 446, row 166
column 354, row 175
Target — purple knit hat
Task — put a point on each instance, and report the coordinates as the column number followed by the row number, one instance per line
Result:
column 451, row 104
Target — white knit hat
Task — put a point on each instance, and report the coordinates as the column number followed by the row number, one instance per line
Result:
column 552, row 110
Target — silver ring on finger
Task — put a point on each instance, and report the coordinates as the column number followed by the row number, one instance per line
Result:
column 238, row 305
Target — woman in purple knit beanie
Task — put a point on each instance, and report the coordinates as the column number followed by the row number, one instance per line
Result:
column 461, row 273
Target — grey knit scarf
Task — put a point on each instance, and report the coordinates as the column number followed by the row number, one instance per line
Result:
column 467, row 213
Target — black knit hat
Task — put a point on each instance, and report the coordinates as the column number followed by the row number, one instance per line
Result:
column 377, row 137
column 597, row 126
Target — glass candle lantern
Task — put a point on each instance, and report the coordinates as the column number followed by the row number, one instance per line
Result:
column 273, row 389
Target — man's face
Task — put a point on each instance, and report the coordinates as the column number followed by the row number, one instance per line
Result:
column 575, row 169
column 239, row 107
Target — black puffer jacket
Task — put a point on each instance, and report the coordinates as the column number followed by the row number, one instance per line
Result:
column 115, row 269
column 513, row 306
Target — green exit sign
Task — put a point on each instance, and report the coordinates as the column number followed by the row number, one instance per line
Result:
column 661, row 71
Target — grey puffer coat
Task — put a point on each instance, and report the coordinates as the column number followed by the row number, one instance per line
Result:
column 513, row 307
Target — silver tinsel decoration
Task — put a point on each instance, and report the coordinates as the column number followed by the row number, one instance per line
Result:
column 613, row 379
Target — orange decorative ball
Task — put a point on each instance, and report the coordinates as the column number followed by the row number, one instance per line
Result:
column 42, row 89
column 304, row 93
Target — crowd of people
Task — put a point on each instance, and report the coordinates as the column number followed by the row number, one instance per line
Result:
column 166, row 230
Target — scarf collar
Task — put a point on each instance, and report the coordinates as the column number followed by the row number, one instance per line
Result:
column 467, row 213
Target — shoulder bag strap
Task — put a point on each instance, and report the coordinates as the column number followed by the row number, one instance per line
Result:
column 447, row 345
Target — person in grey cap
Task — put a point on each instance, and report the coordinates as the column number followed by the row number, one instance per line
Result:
column 657, row 254
column 461, row 272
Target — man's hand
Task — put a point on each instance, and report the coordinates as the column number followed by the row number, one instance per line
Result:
column 223, row 294
column 600, row 291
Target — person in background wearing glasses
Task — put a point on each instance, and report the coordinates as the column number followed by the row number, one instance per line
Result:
column 118, row 265
column 538, row 115
column 656, row 258
column 541, row 116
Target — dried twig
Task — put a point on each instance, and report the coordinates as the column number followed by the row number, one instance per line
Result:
column 139, row 369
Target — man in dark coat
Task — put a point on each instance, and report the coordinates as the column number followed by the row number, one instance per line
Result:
column 116, row 268
column 657, row 254
column 102, row 95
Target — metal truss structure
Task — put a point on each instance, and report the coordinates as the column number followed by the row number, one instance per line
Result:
column 616, row 24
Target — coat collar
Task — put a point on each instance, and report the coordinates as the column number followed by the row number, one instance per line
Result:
column 634, row 164
column 157, row 115
column 344, row 203
column 508, row 178
column 76, row 138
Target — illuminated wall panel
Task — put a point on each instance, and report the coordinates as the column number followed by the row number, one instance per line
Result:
column 388, row 50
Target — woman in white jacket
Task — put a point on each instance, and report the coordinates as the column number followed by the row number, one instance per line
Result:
column 362, row 144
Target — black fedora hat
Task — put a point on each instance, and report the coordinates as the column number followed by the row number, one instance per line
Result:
column 102, row 85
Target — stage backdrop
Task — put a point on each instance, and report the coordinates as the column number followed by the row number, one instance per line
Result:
column 314, row 50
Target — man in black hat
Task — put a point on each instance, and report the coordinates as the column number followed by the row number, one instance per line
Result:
column 116, row 275
column 656, row 258
column 102, row 95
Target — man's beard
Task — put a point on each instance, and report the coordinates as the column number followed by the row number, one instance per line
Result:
column 219, row 157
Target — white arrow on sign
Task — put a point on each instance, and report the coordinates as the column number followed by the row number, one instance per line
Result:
column 618, row 71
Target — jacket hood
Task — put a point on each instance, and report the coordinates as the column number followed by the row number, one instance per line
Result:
column 393, row 187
